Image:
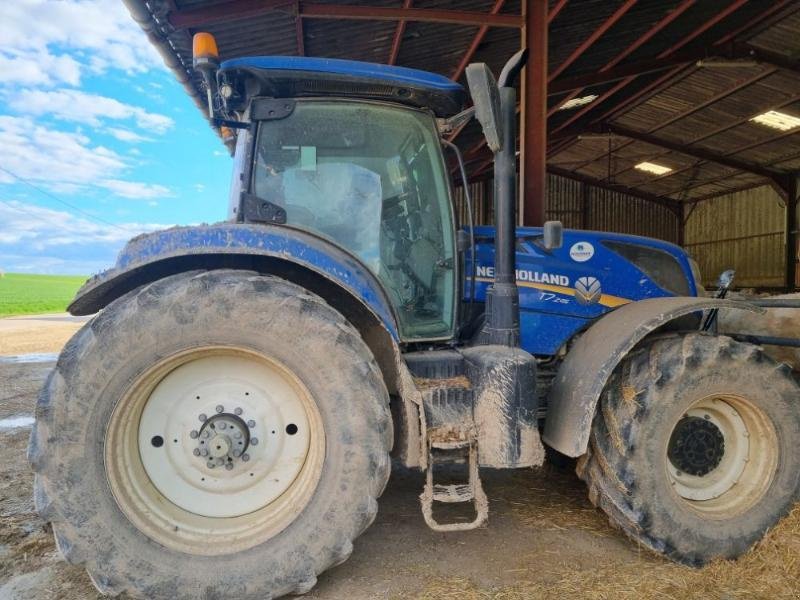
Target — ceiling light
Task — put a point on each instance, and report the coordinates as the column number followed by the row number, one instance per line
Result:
column 576, row 102
column 777, row 120
column 721, row 63
column 652, row 168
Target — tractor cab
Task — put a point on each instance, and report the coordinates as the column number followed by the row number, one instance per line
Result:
column 350, row 152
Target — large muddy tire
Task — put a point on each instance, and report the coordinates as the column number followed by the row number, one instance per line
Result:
column 693, row 451
column 204, row 361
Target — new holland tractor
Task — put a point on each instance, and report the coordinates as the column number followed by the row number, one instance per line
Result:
column 225, row 423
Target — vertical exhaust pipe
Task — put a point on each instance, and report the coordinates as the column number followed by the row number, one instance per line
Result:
column 496, row 110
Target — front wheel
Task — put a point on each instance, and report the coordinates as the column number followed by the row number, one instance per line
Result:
column 214, row 434
column 693, row 451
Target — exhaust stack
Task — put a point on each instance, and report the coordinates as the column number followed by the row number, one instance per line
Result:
column 495, row 108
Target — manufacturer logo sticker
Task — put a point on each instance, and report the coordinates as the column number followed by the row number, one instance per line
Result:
column 588, row 291
column 581, row 251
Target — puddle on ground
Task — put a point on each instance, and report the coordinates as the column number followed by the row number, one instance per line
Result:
column 29, row 358
column 16, row 422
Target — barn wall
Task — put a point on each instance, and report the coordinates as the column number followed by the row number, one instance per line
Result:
column 581, row 206
column 744, row 231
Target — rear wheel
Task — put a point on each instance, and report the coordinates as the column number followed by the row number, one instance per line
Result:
column 213, row 434
column 693, row 449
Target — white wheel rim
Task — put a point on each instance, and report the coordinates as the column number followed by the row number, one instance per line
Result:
column 229, row 485
column 746, row 468
column 189, row 502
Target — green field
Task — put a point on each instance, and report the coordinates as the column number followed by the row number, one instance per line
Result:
column 22, row 294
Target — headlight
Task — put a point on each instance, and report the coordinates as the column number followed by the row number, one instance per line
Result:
column 660, row 266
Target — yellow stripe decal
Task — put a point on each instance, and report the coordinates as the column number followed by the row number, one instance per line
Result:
column 605, row 299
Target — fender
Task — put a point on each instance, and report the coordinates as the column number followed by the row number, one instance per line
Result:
column 284, row 251
column 594, row 356
column 311, row 261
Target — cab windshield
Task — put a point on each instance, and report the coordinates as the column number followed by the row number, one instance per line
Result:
column 370, row 178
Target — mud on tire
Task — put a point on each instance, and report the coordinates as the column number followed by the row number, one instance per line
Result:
column 626, row 467
column 265, row 315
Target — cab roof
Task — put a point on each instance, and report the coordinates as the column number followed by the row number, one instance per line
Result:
column 298, row 76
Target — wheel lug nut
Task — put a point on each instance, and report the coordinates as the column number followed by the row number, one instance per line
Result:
column 237, row 435
column 237, row 411
column 237, row 453
column 203, row 418
column 206, row 435
column 193, row 434
column 220, row 408
column 251, row 423
column 229, row 466
column 254, row 441
column 222, row 425
column 245, row 457
column 210, row 464
column 204, row 452
column 196, row 451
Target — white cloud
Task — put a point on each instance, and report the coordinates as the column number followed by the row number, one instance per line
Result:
column 41, row 154
column 100, row 29
column 126, row 135
column 43, row 240
column 135, row 189
column 83, row 107
column 37, row 68
column 65, row 162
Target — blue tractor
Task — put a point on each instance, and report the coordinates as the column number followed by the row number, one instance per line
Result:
column 225, row 424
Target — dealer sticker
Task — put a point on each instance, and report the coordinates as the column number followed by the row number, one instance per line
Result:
column 581, row 251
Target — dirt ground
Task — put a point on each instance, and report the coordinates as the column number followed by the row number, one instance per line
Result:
column 39, row 333
column 544, row 539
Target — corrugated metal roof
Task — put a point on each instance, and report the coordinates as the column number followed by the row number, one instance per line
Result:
column 705, row 111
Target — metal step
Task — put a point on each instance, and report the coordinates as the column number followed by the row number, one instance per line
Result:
column 446, row 451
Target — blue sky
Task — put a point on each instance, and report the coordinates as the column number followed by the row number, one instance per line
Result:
column 89, row 115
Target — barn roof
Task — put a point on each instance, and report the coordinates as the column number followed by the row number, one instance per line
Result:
column 675, row 83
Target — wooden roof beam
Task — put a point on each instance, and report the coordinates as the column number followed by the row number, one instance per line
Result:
column 732, row 7
column 476, row 41
column 731, row 51
column 298, row 30
column 423, row 15
column 693, row 151
column 240, row 9
column 398, row 35
column 635, row 45
column 593, row 37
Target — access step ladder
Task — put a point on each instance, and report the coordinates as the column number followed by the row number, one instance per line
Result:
column 454, row 451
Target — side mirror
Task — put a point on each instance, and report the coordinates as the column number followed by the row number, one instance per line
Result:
column 486, row 97
column 726, row 279
column 553, row 235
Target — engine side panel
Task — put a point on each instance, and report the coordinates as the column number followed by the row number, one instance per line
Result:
column 565, row 290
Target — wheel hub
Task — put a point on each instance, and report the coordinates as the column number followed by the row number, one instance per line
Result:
column 696, row 446
column 223, row 440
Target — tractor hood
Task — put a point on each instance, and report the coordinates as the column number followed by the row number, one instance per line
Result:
column 563, row 290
